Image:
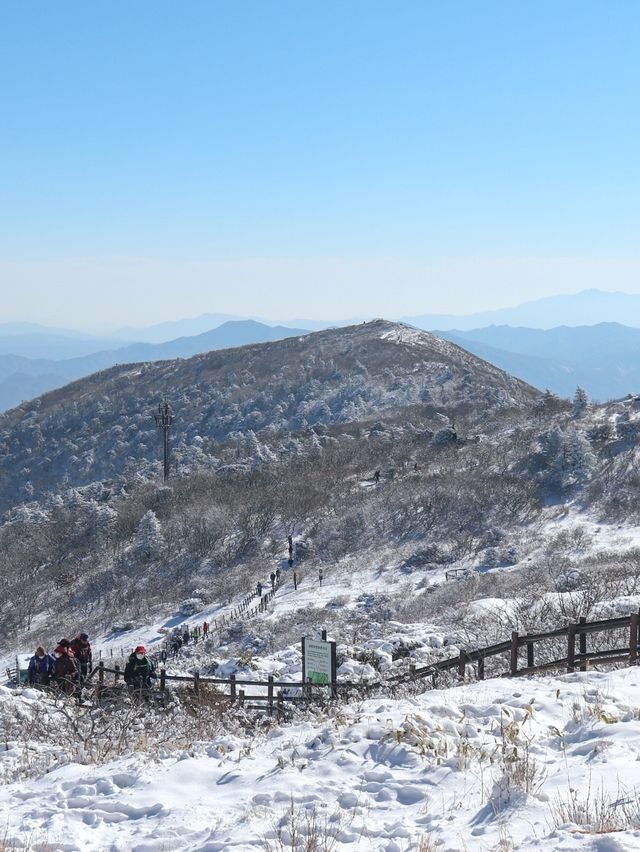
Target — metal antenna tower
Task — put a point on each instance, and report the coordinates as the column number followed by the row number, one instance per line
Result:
column 164, row 420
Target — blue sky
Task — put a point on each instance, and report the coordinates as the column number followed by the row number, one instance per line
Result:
column 323, row 159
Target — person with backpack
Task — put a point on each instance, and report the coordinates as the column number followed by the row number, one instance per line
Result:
column 65, row 669
column 259, row 589
column 205, row 629
column 40, row 668
column 139, row 671
column 82, row 652
column 272, row 577
column 186, row 636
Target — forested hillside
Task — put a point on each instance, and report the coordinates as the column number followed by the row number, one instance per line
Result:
column 226, row 402
column 282, row 440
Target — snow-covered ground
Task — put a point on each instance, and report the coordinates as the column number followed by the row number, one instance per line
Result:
column 495, row 765
column 550, row 763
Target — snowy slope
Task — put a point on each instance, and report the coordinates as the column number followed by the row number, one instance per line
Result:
column 468, row 768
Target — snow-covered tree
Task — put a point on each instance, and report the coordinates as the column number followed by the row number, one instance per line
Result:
column 580, row 402
column 568, row 456
column 149, row 541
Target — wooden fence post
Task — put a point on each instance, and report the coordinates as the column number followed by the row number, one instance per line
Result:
column 412, row 671
column 270, row 693
column 163, row 679
column 117, row 668
column 280, row 704
column 196, row 682
column 232, row 684
column 530, row 655
column 571, row 648
column 480, row 667
column 241, row 697
column 633, row 639
column 582, row 638
column 462, row 664
column 514, row 652
column 100, row 680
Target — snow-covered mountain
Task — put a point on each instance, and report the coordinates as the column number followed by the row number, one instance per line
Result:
column 22, row 379
column 96, row 427
column 393, row 459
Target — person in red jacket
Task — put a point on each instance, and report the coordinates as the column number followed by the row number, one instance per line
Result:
column 205, row 629
column 65, row 669
column 82, row 652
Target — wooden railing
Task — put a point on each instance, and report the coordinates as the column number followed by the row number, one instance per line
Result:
column 511, row 648
column 274, row 695
column 468, row 662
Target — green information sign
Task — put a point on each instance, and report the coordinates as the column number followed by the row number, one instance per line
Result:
column 318, row 661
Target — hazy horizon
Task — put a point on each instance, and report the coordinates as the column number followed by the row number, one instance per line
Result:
column 286, row 160
column 318, row 320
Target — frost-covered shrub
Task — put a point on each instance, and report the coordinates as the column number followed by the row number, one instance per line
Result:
column 492, row 537
column 490, row 559
column 510, row 555
column 628, row 430
column 569, row 581
column 445, row 436
column 433, row 554
column 377, row 607
column 191, row 606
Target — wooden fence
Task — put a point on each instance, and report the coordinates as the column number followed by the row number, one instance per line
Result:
column 472, row 661
column 247, row 608
column 273, row 696
column 469, row 662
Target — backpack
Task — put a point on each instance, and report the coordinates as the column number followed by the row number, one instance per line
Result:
column 82, row 651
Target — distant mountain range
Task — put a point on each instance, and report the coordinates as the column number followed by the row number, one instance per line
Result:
column 604, row 359
column 24, row 378
column 167, row 331
column 585, row 308
column 591, row 339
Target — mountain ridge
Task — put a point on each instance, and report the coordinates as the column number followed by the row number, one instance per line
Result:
column 98, row 426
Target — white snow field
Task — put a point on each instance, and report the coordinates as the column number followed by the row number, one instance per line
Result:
column 505, row 764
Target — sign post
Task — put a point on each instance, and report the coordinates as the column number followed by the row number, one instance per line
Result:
column 319, row 663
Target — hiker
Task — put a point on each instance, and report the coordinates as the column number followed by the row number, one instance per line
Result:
column 82, row 652
column 40, row 668
column 205, row 629
column 376, row 476
column 320, row 576
column 139, row 671
column 259, row 590
column 278, row 576
column 163, row 656
column 65, row 671
column 185, row 636
column 194, row 635
column 175, row 646
column 273, row 581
